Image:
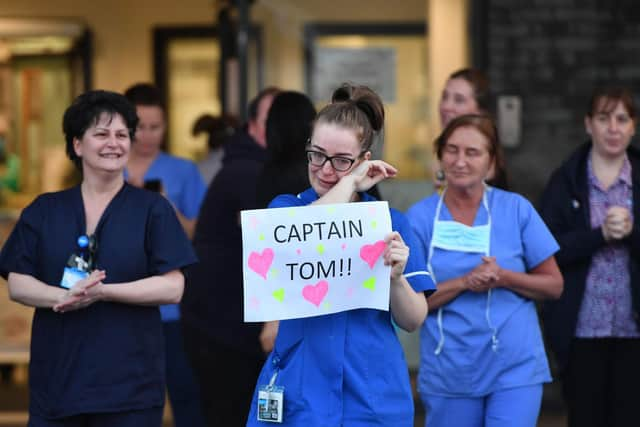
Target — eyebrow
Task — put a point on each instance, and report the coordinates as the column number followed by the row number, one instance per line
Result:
column 105, row 128
column 314, row 146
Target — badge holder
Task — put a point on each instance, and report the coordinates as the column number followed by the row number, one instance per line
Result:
column 270, row 402
column 77, row 267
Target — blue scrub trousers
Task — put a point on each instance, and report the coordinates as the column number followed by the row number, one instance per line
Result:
column 513, row 407
column 151, row 417
column 184, row 393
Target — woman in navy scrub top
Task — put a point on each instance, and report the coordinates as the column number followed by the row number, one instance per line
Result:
column 348, row 369
column 97, row 348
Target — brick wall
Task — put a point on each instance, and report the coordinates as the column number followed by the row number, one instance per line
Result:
column 552, row 53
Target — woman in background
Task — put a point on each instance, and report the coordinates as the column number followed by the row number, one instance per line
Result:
column 467, row 92
column 591, row 205
column 483, row 361
column 285, row 171
column 180, row 182
column 219, row 131
column 288, row 131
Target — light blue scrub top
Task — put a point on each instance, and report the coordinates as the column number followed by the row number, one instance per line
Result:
column 185, row 189
column 468, row 365
column 344, row 369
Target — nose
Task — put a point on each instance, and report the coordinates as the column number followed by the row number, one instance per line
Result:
column 446, row 104
column 613, row 124
column 111, row 140
column 460, row 159
column 327, row 167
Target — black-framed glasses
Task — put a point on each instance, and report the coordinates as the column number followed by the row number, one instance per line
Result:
column 339, row 163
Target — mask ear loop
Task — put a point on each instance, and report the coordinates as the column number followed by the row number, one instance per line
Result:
column 494, row 331
column 440, row 345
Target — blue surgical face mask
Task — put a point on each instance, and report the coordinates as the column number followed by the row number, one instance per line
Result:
column 454, row 236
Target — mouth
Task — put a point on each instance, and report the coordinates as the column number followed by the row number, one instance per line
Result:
column 457, row 174
column 326, row 183
column 446, row 118
column 110, row 155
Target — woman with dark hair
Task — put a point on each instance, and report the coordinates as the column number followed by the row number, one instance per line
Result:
column 180, row 182
column 285, row 171
column 482, row 356
column 348, row 368
column 288, row 131
column 219, row 131
column 591, row 205
column 95, row 261
column 467, row 92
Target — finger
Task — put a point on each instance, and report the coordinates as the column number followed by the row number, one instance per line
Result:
column 394, row 235
column 396, row 258
column 388, row 168
column 61, row 306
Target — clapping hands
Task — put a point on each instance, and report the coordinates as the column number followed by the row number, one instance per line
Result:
column 84, row 293
column 484, row 277
column 617, row 224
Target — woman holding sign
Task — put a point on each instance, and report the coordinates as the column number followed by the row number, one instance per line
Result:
column 95, row 261
column 482, row 357
column 347, row 369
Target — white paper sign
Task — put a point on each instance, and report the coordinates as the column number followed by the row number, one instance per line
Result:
column 314, row 260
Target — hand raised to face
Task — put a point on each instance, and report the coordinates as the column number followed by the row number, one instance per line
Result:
column 370, row 172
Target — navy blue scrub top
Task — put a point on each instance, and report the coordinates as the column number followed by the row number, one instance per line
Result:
column 107, row 357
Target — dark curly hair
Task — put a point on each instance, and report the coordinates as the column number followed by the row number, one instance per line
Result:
column 86, row 110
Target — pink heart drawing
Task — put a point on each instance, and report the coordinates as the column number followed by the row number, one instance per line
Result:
column 350, row 292
column 343, row 246
column 371, row 253
column 316, row 293
column 254, row 222
column 298, row 251
column 260, row 263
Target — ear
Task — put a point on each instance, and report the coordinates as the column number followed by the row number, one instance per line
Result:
column 491, row 173
column 587, row 124
column 367, row 155
column 77, row 147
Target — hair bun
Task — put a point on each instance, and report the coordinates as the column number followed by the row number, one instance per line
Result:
column 342, row 94
column 364, row 99
column 375, row 120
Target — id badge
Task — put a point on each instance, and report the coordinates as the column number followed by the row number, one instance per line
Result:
column 71, row 275
column 270, row 403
